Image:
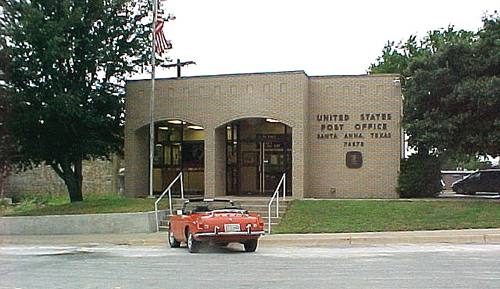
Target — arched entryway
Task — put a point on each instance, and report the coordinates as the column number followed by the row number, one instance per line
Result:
column 179, row 147
column 258, row 152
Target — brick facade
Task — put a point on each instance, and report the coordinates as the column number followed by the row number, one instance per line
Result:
column 295, row 99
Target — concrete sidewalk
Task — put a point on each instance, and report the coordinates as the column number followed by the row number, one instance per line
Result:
column 480, row 236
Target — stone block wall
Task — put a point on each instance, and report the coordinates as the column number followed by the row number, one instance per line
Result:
column 99, row 176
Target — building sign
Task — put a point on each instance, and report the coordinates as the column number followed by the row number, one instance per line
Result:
column 354, row 130
column 354, row 159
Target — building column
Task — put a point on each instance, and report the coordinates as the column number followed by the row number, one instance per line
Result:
column 215, row 162
column 136, row 162
column 298, row 163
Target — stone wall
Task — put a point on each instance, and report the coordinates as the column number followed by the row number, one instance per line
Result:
column 113, row 223
column 99, row 176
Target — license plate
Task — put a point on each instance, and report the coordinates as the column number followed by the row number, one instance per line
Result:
column 232, row 227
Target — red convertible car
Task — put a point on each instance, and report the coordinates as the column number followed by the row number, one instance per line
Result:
column 214, row 221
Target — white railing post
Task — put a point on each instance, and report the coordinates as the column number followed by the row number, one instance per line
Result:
column 269, row 218
column 169, row 191
column 157, row 218
column 182, row 185
column 284, row 185
column 277, row 206
column 170, row 201
column 276, row 195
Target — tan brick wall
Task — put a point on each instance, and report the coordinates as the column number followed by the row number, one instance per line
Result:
column 353, row 96
column 212, row 102
column 291, row 97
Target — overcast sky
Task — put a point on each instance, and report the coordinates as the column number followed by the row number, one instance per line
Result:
column 319, row 36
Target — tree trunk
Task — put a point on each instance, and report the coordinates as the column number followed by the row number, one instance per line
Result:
column 71, row 173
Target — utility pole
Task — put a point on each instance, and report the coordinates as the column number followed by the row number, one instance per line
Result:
column 179, row 64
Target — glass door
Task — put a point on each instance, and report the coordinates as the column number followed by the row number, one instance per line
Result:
column 258, row 152
column 273, row 163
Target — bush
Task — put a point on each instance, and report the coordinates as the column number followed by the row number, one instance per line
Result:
column 420, row 177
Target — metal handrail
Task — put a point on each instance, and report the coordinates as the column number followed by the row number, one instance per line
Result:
column 277, row 197
column 169, row 191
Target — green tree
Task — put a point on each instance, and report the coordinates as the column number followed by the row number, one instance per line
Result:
column 7, row 145
column 68, row 61
column 451, row 88
column 420, row 176
column 463, row 162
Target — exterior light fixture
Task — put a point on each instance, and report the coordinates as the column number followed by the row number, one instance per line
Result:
column 163, row 127
column 272, row 120
column 195, row 127
column 175, row 121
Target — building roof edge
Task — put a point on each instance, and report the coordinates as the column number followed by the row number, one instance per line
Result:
column 224, row 75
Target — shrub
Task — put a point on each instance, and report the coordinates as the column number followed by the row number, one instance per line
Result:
column 420, row 177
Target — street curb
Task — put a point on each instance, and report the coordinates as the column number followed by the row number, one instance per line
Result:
column 476, row 236
column 471, row 236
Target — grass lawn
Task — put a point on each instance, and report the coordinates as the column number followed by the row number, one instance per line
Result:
column 60, row 205
column 335, row 216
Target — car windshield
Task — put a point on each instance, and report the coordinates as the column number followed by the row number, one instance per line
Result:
column 208, row 206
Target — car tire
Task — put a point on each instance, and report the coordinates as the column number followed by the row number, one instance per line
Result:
column 192, row 245
column 171, row 239
column 250, row 245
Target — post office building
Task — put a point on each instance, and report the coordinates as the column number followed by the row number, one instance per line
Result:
column 240, row 134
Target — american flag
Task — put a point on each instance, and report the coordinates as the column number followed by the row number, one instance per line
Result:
column 161, row 43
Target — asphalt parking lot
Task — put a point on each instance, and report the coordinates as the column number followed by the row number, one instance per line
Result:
column 400, row 266
column 477, row 196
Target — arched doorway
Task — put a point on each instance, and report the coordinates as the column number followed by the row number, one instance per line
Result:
column 179, row 147
column 258, row 152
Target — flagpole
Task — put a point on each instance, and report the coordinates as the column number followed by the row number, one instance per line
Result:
column 151, row 99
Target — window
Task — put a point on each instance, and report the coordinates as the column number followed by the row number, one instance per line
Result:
column 283, row 87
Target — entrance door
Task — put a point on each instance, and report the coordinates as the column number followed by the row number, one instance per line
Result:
column 258, row 152
column 272, row 165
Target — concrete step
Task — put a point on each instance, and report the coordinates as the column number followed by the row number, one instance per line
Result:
column 260, row 203
column 274, row 221
column 265, row 210
column 257, row 205
column 261, row 212
column 262, row 207
column 273, row 218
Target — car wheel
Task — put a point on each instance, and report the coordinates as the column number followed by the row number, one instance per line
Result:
column 250, row 245
column 192, row 244
column 171, row 239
